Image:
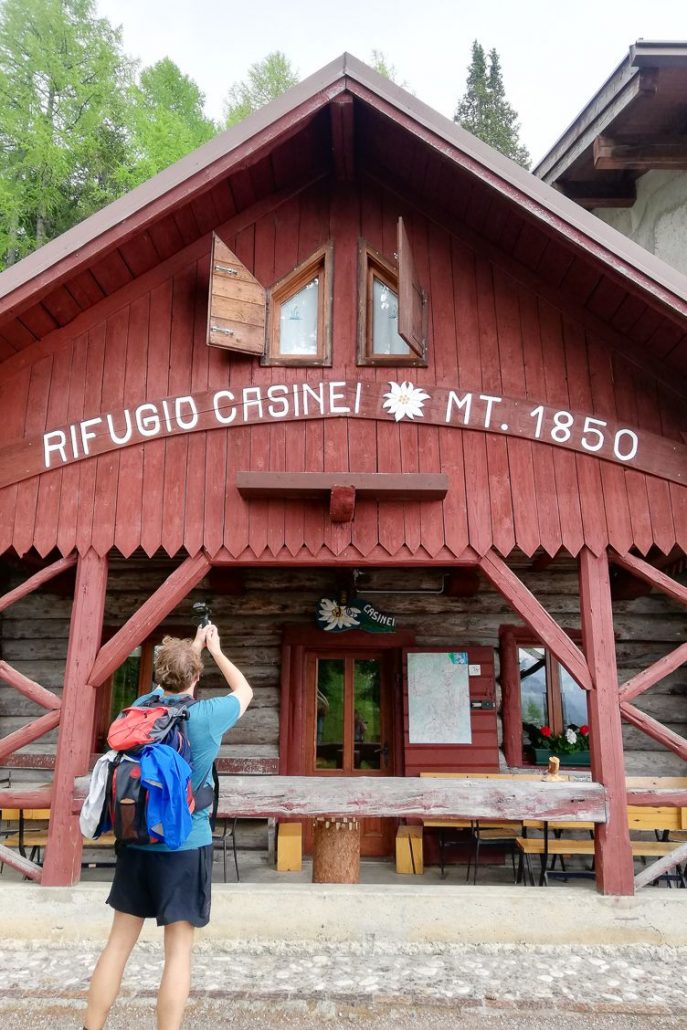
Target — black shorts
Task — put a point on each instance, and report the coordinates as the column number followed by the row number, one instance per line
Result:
column 168, row 885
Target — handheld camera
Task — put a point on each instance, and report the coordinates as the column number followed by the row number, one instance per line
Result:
column 201, row 613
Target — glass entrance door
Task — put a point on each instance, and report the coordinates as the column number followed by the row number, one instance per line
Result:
column 350, row 730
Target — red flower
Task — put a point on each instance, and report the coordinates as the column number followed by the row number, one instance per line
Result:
column 584, row 730
column 545, row 731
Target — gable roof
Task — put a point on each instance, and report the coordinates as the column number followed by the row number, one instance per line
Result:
column 395, row 138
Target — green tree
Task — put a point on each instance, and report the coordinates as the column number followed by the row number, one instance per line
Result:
column 383, row 67
column 166, row 120
column 63, row 100
column 266, row 80
column 484, row 110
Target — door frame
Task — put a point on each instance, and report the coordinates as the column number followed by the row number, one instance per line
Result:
column 297, row 642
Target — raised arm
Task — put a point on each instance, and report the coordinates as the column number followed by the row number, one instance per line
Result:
column 238, row 684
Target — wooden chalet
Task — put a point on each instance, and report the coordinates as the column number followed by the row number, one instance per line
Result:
column 382, row 400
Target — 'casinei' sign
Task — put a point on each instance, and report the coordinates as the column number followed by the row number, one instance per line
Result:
column 280, row 402
column 338, row 616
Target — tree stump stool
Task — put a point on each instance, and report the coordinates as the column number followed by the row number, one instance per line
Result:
column 336, row 850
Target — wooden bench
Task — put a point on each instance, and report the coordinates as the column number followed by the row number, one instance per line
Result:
column 30, row 835
column 662, row 820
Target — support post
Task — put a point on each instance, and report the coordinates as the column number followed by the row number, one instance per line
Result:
column 63, row 853
column 614, row 865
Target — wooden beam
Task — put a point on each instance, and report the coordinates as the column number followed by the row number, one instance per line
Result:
column 383, row 486
column 640, row 154
column 12, row 858
column 601, row 193
column 536, row 617
column 149, row 615
column 404, row 796
column 28, row 796
column 62, row 865
column 32, row 690
column 612, row 849
column 642, row 569
column 37, row 580
column 27, row 734
column 341, row 115
column 657, row 797
column 342, row 503
column 654, row 729
column 658, row 671
column 661, row 866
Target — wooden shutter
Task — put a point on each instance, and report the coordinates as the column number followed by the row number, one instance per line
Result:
column 236, row 305
column 412, row 299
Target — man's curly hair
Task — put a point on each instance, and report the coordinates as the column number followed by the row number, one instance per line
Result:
column 177, row 665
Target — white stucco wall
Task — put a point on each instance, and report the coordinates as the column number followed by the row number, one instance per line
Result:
column 658, row 219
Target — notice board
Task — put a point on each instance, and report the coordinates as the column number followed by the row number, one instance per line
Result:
column 438, row 697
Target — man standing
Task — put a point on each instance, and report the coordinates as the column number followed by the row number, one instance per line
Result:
column 153, row 881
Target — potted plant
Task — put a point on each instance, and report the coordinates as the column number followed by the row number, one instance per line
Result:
column 571, row 746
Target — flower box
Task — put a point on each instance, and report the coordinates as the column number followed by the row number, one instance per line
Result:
column 578, row 758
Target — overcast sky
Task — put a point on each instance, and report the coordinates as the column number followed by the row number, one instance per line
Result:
column 554, row 56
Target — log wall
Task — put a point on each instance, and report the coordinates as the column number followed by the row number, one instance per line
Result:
column 33, row 639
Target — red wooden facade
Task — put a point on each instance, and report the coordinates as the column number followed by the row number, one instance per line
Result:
column 536, row 313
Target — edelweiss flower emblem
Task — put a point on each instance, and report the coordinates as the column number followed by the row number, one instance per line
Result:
column 405, row 400
column 335, row 615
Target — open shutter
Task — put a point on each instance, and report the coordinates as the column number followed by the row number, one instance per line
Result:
column 237, row 304
column 412, row 299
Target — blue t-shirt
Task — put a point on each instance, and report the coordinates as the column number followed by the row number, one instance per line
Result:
column 208, row 721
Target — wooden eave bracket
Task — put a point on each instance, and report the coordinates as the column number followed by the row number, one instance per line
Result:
column 342, row 488
column 640, row 154
column 343, row 137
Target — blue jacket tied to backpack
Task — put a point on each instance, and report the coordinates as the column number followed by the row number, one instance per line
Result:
column 166, row 774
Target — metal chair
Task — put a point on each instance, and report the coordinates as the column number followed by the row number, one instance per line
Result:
column 223, row 835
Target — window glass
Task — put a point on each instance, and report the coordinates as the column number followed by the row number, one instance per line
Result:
column 574, row 699
column 298, row 321
column 330, row 713
column 385, row 337
column 125, row 683
column 533, row 696
column 367, row 741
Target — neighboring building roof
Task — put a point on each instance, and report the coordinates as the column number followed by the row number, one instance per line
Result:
column 346, row 117
column 633, row 123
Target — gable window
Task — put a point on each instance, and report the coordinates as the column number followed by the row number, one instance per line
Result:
column 537, row 692
column 299, row 315
column 392, row 327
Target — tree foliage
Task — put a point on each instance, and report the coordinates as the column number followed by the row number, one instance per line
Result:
column 266, row 80
column 63, row 83
column 381, row 64
column 166, row 120
column 484, row 110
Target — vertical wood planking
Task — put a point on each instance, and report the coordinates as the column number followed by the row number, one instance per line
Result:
column 658, row 490
column 176, row 448
column 27, row 492
column 256, row 247
column 69, row 493
column 95, row 362
column 157, row 385
column 635, row 482
column 194, row 504
column 127, row 536
column 13, row 400
column 567, row 489
column 501, row 488
column 107, row 467
column 344, row 226
column 50, row 483
column 542, row 457
column 612, row 476
column 588, row 475
column 520, row 452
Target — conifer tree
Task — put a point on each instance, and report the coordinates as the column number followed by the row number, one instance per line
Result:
column 484, row 110
column 266, row 80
